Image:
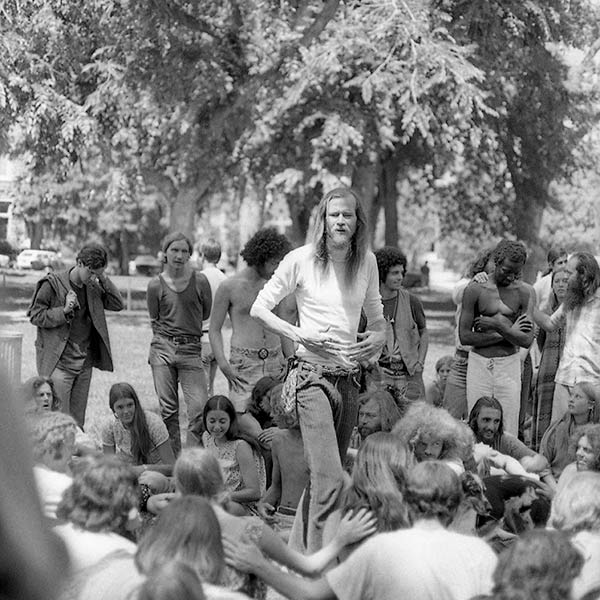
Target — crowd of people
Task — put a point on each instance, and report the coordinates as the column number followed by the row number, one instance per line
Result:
column 329, row 470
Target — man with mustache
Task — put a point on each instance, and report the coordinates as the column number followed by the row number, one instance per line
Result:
column 580, row 310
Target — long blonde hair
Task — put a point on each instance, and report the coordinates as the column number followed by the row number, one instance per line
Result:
column 360, row 240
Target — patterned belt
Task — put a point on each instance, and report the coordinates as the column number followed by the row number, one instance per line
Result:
column 183, row 339
column 262, row 353
column 286, row 511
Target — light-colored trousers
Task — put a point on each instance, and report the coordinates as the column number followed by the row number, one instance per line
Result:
column 500, row 377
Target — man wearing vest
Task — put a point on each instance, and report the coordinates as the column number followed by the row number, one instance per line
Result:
column 403, row 356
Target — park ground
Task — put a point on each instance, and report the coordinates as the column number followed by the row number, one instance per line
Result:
column 130, row 336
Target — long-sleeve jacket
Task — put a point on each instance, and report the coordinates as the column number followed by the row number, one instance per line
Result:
column 53, row 326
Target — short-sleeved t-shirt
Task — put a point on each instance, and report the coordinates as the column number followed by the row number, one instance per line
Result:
column 425, row 562
column 512, row 446
column 114, row 434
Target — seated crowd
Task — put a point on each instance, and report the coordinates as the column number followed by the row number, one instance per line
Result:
column 484, row 484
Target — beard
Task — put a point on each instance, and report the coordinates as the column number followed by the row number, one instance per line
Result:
column 575, row 295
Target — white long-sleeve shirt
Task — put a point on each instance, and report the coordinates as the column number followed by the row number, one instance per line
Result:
column 324, row 303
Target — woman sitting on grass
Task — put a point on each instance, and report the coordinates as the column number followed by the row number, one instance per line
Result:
column 197, row 473
column 238, row 454
column 136, row 434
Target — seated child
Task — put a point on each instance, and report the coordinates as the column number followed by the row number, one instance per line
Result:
column 434, row 393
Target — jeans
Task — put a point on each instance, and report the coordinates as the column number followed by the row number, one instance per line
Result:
column 251, row 367
column 174, row 364
column 73, row 390
column 499, row 376
column 455, row 395
column 327, row 406
column 410, row 387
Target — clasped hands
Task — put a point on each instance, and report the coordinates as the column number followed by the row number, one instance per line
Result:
column 322, row 343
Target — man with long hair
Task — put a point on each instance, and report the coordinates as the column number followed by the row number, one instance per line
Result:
column 580, row 310
column 331, row 278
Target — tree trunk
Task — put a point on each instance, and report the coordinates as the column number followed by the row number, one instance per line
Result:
column 364, row 181
column 36, row 233
column 183, row 211
column 124, row 246
column 388, row 198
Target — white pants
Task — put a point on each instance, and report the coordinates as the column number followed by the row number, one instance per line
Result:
column 500, row 377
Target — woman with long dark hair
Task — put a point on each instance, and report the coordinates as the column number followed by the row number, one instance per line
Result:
column 136, row 434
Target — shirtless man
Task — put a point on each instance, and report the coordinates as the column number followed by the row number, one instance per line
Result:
column 494, row 321
column 255, row 351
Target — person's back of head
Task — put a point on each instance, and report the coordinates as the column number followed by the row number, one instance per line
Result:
column 52, row 436
column 433, row 491
column 211, row 251
column 576, row 507
column 103, row 497
column 538, row 565
column 175, row 580
column 197, row 472
column 187, row 530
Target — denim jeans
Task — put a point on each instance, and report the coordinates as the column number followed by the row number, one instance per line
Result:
column 174, row 364
column 455, row 395
column 327, row 406
column 73, row 390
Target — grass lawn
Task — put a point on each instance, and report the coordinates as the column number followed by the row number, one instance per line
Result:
column 130, row 337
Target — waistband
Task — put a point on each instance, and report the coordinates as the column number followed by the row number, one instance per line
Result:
column 394, row 367
column 262, row 353
column 461, row 353
column 182, row 339
column 329, row 370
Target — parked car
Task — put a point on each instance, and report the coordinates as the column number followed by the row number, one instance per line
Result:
column 4, row 260
column 36, row 259
column 147, row 265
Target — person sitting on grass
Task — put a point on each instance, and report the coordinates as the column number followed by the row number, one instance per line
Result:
column 238, row 454
column 421, row 562
column 197, row 473
column 137, row 435
column 289, row 475
column 38, row 394
column 434, row 393
column 99, row 511
column 52, row 436
column 582, row 409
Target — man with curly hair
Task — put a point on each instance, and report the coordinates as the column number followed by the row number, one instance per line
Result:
column 401, row 362
column 494, row 321
column 332, row 279
column 580, row 310
column 255, row 351
column 72, row 336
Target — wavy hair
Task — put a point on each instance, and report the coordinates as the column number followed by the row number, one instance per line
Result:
column 379, row 481
column 389, row 412
column 51, row 432
column 486, row 402
column 360, row 240
column 197, row 472
column 592, row 432
column 387, row 258
column 576, row 507
column 141, row 442
column 32, row 385
column 423, row 421
column 103, row 493
column 588, row 274
column 479, row 263
column 511, row 250
column 433, row 491
column 538, row 565
column 174, row 580
column 187, row 530
column 266, row 244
